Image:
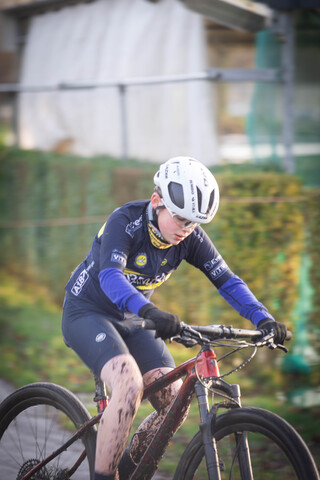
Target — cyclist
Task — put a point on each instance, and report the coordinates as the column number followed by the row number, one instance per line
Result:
column 135, row 251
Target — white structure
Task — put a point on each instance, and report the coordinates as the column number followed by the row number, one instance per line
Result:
column 112, row 40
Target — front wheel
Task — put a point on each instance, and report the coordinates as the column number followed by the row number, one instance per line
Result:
column 34, row 422
column 277, row 450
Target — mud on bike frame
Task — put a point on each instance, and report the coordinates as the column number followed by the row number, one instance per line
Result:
column 201, row 376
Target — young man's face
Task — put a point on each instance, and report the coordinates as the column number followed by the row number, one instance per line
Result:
column 172, row 228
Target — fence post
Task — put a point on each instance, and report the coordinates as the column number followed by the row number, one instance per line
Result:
column 288, row 60
column 123, row 120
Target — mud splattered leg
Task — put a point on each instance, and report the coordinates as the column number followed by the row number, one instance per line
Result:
column 161, row 402
column 123, row 378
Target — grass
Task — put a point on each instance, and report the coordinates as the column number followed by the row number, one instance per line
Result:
column 32, row 349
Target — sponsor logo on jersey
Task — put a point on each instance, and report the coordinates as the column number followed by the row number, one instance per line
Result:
column 79, row 283
column 100, row 337
column 141, row 282
column 216, row 267
column 133, row 226
column 211, row 263
column 198, row 235
column 141, row 260
column 219, row 270
column 119, row 257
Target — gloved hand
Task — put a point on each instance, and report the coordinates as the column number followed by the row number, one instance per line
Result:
column 280, row 330
column 167, row 324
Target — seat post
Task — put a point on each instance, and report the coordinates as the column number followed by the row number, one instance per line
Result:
column 101, row 397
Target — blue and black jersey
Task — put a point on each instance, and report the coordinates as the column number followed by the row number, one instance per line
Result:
column 126, row 264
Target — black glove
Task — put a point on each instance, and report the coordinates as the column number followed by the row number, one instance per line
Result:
column 167, row 324
column 280, row 330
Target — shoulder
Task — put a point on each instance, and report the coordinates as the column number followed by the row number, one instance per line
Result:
column 130, row 216
column 198, row 237
column 130, row 209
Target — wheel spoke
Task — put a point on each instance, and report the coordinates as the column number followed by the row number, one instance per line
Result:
column 31, row 429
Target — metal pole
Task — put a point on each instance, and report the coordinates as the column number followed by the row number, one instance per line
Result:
column 288, row 60
column 123, row 120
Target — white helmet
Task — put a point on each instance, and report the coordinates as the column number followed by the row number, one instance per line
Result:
column 188, row 189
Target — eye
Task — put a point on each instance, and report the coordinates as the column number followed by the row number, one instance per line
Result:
column 181, row 219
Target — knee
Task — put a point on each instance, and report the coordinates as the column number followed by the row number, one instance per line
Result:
column 123, row 377
column 161, row 402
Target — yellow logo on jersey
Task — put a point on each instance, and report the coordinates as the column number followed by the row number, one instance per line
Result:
column 101, row 230
column 163, row 262
column 141, row 260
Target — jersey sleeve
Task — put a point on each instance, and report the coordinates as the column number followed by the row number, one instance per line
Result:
column 115, row 242
column 120, row 291
column 203, row 254
column 240, row 297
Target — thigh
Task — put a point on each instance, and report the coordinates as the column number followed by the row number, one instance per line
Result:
column 92, row 336
column 150, row 353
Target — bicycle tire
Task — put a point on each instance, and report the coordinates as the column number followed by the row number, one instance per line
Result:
column 36, row 420
column 295, row 461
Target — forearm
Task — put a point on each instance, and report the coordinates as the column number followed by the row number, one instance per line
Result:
column 120, row 291
column 240, row 297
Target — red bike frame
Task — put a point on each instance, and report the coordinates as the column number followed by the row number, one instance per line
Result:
column 203, row 366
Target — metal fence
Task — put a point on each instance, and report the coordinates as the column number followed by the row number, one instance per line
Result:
column 211, row 75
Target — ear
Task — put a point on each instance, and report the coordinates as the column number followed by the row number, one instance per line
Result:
column 155, row 200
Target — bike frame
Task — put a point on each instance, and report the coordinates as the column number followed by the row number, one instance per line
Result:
column 204, row 367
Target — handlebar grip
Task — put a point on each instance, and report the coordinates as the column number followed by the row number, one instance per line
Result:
column 148, row 324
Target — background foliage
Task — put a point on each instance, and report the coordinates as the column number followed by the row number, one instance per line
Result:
column 53, row 205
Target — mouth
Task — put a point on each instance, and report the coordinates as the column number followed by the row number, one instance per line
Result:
column 179, row 237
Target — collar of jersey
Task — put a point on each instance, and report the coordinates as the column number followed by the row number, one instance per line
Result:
column 156, row 238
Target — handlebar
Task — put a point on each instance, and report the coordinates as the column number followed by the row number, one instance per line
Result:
column 216, row 332
column 220, row 331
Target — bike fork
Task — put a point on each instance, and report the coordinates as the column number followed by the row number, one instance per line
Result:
column 242, row 452
column 209, row 442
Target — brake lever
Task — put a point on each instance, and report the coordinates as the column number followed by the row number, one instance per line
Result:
column 270, row 344
column 187, row 342
column 283, row 348
column 266, row 340
column 188, row 336
column 187, row 329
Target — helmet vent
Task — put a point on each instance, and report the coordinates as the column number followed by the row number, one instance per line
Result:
column 211, row 200
column 176, row 194
column 199, row 195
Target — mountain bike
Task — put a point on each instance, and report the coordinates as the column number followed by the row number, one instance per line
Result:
column 47, row 434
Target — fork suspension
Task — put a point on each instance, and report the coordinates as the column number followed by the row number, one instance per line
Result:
column 209, row 442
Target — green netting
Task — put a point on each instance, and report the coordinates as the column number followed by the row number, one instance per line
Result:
column 265, row 121
column 302, row 356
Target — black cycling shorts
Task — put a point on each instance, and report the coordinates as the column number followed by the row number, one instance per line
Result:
column 96, row 338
